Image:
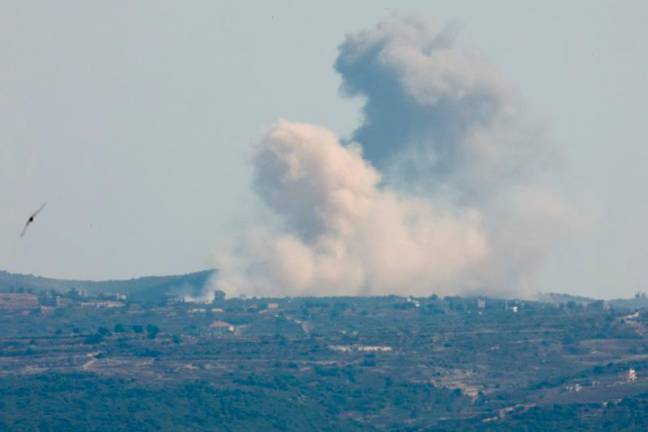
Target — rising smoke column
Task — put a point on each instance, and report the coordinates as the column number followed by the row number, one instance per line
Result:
column 437, row 192
column 343, row 234
column 436, row 115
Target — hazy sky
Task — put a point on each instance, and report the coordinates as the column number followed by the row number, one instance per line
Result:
column 133, row 121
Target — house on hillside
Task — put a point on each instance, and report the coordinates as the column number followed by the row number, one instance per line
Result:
column 102, row 304
column 18, row 301
column 220, row 327
column 481, row 303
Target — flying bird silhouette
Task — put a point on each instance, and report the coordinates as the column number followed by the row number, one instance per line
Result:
column 31, row 219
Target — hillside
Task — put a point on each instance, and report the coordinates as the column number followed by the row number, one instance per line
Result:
column 145, row 289
column 330, row 363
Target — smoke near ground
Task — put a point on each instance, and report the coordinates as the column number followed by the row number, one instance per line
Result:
column 437, row 191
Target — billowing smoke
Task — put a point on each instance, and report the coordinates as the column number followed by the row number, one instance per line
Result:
column 437, row 191
column 436, row 117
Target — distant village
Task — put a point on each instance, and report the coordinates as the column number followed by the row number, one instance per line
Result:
column 483, row 358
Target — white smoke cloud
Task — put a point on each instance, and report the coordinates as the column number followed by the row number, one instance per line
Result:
column 438, row 191
column 344, row 234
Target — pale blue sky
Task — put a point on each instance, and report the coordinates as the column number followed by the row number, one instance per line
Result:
column 133, row 121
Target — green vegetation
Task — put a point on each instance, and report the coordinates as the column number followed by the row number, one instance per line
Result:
column 75, row 361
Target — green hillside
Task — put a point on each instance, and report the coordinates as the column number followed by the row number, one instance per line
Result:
column 150, row 288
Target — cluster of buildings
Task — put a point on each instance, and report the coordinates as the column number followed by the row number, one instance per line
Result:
column 24, row 302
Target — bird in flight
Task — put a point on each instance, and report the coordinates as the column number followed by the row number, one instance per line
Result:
column 31, row 219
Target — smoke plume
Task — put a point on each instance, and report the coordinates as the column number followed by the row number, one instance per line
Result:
column 437, row 191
